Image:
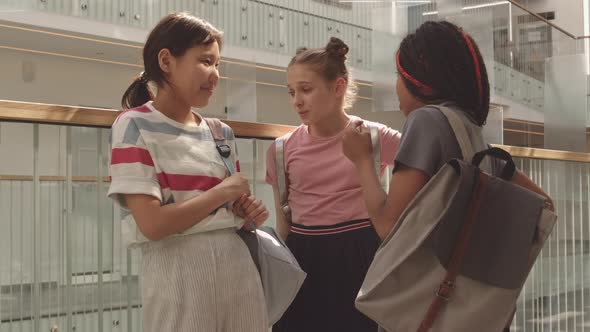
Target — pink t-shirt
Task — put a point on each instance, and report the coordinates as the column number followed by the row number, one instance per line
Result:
column 324, row 188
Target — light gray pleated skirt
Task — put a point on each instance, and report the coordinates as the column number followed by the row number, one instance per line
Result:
column 205, row 282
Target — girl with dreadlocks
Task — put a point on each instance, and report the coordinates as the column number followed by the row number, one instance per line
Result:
column 439, row 64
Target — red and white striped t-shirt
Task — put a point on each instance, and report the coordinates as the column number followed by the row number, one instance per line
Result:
column 157, row 156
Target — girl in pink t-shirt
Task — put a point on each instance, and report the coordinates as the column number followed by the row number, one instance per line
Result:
column 330, row 233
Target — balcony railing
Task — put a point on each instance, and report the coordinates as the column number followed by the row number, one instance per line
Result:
column 62, row 262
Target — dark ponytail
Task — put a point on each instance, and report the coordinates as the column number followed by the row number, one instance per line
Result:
column 176, row 32
column 138, row 93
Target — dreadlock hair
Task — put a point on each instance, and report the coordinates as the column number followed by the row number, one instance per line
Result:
column 441, row 62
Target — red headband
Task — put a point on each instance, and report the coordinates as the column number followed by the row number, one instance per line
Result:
column 476, row 63
column 425, row 88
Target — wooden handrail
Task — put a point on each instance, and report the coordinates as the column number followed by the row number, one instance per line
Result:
column 53, row 178
column 103, row 118
column 545, row 154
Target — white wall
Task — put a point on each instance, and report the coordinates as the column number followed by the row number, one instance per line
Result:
column 66, row 81
column 59, row 80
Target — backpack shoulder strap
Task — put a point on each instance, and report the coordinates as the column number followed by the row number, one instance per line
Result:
column 282, row 178
column 216, row 127
column 375, row 142
column 221, row 137
column 460, row 131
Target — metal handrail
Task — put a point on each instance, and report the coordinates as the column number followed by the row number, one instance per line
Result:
column 541, row 18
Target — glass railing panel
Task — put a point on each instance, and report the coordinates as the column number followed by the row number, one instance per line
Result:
column 74, row 271
column 556, row 296
column 386, row 36
column 62, row 261
column 263, row 190
column 17, row 268
column 566, row 102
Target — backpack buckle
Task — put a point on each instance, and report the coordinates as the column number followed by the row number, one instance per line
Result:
column 445, row 290
column 224, row 150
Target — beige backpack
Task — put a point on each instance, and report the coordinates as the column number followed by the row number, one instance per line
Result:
column 461, row 251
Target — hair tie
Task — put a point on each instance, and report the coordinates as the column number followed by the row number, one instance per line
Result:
column 143, row 77
column 476, row 63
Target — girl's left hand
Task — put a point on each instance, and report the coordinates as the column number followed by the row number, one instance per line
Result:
column 356, row 142
column 252, row 210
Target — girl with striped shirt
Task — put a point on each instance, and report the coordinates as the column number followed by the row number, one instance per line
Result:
column 176, row 195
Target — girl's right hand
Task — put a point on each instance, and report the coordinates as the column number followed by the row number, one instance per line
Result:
column 234, row 187
column 356, row 142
